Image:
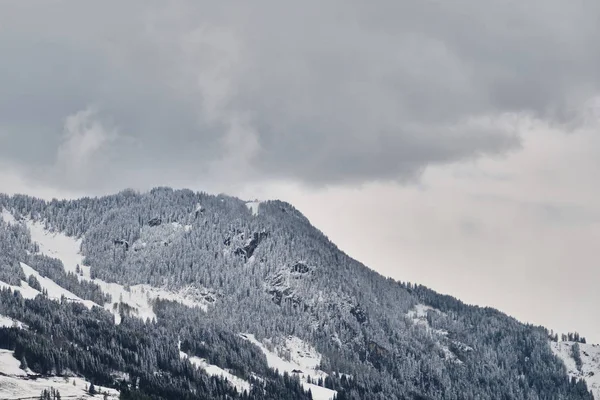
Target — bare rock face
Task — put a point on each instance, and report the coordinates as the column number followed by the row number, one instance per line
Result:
column 300, row 268
column 288, row 285
column 248, row 250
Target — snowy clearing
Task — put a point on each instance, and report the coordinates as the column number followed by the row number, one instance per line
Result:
column 590, row 357
column 6, row 322
column 55, row 292
column 238, row 383
column 303, row 362
column 17, row 384
column 139, row 297
column 253, row 206
column 7, row 217
column 56, row 245
column 418, row 315
column 26, row 291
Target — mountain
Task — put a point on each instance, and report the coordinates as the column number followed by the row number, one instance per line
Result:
column 173, row 294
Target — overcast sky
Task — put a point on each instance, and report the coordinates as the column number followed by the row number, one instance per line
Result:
column 454, row 144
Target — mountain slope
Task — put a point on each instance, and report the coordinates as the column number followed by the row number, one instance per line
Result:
column 213, row 267
column 582, row 361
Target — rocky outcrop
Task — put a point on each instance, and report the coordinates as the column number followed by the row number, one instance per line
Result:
column 199, row 211
column 248, row 250
column 376, row 354
column 155, row 221
column 359, row 314
column 122, row 242
column 300, row 268
column 286, row 285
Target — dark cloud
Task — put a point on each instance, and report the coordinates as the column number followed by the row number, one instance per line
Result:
column 315, row 92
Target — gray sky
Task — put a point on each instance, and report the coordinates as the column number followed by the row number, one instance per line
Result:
column 453, row 144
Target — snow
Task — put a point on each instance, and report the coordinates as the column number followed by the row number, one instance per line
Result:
column 253, row 206
column 238, row 383
column 590, row 357
column 26, row 291
column 6, row 322
column 18, row 384
column 7, row 216
column 140, row 297
column 55, row 292
column 418, row 315
column 57, row 245
column 296, row 355
column 9, row 365
column 177, row 226
column 419, row 312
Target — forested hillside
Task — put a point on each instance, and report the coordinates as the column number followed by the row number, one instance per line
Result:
column 253, row 270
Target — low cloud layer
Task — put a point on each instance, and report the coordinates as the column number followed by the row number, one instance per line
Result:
column 317, row 93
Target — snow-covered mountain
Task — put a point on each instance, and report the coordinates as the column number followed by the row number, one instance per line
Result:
column 176, row 294
column 582, row 361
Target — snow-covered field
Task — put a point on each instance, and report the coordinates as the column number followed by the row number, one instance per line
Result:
column 15, row 383
column 253, row 206
column 590, row 357
column 296, row 358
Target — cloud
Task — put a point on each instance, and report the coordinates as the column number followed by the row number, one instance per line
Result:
column 489, row 109
column 343, row 92
column 517, row 232
column 84, row 137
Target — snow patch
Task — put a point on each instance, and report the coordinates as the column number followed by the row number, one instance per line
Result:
column 419, row 312
column 177, row 226
column 238, row 383
column 590, row 357
column 17, row 384
column 139, row 298
column 253, row 206
column 295, row 357
column 7, row 217
column 55, row 292
column 57, row 245
column 418, row 315
column 9, row 365
column 142, row 297
column 26, row 291
column 6, row 322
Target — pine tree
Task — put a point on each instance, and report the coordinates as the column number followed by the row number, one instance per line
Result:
column 23, row 365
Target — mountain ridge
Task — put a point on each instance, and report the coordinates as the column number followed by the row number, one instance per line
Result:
column 267, row 260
